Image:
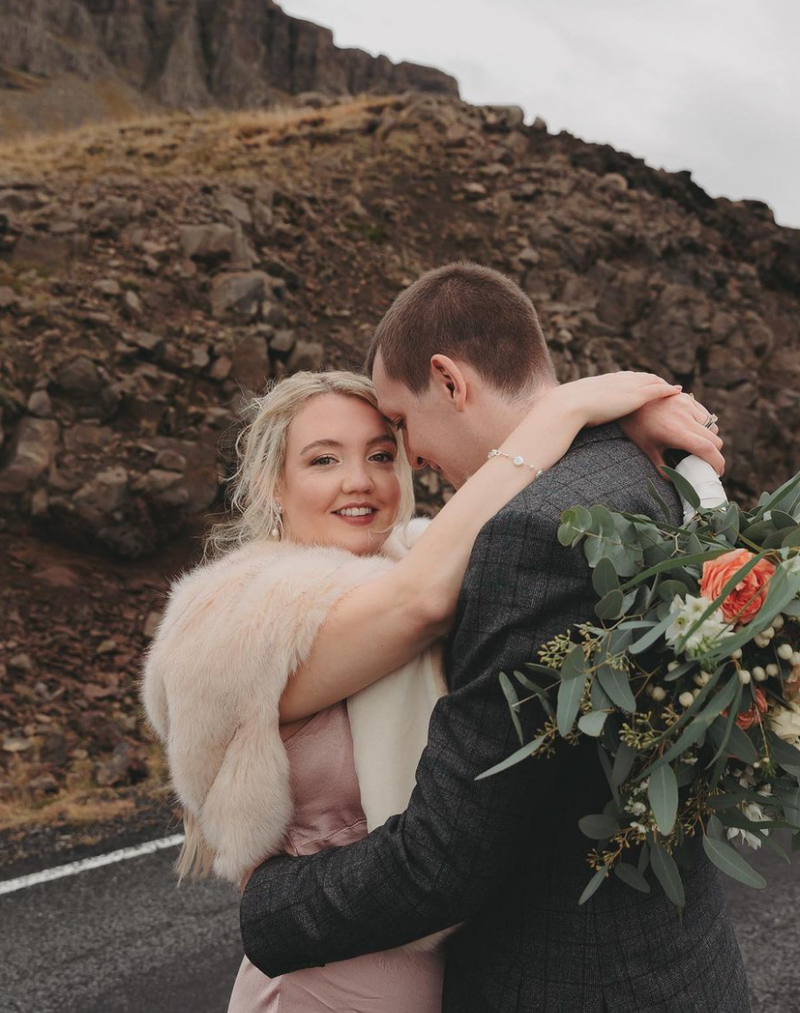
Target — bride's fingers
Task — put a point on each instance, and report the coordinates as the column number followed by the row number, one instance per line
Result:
column 702, row 447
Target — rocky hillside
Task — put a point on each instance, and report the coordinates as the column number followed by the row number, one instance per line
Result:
column 65, row 62
column 153, row 274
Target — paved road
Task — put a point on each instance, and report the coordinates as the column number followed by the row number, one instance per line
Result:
column 124, row 939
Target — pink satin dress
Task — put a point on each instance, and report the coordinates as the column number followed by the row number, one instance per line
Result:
column 328, row 814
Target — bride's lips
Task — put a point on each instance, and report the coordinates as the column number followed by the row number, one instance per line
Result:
column 361, row 521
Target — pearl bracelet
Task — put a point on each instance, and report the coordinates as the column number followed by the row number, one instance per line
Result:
column 517, row 461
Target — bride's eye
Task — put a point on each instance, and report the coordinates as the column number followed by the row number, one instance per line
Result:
column 325, row 459
column 383, row 457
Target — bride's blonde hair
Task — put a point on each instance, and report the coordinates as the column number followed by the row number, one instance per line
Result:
column 261, row 452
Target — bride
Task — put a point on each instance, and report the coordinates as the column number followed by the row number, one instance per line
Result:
column 294, row 671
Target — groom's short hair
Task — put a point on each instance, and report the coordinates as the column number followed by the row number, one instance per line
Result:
column 468, row 312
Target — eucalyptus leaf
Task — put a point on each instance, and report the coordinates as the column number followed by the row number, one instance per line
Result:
column 662, row 791
column 600, row 699
column 599, row 826
column 592, row 723
column 521, row 754
column 604, row 578
column 575, row 522
column 569, row 700
column 574, row 664
column 684, row 487
column 623, row 764
column 741, row 746
column 676, row 563
column 631, row 876
column 728, row 860
column 617, row 686
column 667, row 874
column 783, row 753
column 783, row 495
column 513, row 703
column 593, row 885
column 656, row 495
column 648, row 639
column 610, row 605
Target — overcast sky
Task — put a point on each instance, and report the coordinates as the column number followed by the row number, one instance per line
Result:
column 707, row 85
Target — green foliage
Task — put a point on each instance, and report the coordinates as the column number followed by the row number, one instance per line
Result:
column 685, row 742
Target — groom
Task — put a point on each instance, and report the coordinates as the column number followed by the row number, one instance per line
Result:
column 456, row 361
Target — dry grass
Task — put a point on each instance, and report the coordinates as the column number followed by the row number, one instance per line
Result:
column 179, row 145
column 80, row 802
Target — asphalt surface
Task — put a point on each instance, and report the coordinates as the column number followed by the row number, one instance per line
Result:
column 124, row 939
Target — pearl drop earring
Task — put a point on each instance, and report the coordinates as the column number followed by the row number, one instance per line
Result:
column 275, row 533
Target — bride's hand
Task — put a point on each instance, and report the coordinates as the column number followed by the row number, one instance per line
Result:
column 675, row 423
column 594, row 400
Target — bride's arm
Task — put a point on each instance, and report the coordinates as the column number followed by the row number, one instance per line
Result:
column 383, row 624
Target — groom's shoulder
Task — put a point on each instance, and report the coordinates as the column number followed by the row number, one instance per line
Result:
column 602, row 466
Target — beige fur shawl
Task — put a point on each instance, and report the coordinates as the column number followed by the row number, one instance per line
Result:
column 232, row 633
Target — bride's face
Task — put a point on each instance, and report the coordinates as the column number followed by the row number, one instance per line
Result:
column 340, row 485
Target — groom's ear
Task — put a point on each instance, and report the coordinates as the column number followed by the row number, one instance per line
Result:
column 449, row 380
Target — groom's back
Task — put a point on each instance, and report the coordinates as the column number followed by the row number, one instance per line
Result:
column 533, row 948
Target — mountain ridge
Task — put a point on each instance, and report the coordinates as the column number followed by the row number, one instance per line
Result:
column 67, row 62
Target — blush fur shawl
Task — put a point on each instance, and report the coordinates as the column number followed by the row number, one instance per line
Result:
column 232, row 633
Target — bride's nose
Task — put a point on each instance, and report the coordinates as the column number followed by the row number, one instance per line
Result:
column 356, row 477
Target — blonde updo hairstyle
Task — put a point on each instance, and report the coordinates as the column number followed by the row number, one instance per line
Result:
column 261, row 453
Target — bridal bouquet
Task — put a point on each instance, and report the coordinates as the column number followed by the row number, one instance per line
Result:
column 689, row 681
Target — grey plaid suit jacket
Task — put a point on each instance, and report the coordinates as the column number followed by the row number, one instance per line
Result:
column 504, row 854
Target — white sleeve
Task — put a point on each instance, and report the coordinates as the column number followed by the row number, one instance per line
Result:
column 705, row 481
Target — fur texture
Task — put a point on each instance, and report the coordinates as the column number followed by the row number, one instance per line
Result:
column 232, row 633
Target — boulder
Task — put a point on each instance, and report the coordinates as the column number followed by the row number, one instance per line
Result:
column 240, row 293
column 32, row 452
column 79, row 376
column 215, row 244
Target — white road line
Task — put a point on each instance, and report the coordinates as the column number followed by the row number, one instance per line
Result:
column 85, row 864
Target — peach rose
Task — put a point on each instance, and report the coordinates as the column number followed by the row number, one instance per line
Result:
column 753, row 713
column 746, row 599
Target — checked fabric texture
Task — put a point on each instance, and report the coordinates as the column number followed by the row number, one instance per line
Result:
column 504, row 855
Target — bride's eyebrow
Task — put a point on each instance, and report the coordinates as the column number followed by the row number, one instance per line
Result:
column 335, row 445
column 321, row 445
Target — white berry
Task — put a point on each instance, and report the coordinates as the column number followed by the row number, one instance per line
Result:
column 785, row 652
column 773, row 669
column 759, row 674
column 744, row 676
column 686, row 699
column 659, row 693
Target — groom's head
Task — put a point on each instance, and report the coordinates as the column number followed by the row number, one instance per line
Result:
column 457, row 360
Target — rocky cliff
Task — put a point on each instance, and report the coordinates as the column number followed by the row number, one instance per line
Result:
column 64, row 62
column 152, row 274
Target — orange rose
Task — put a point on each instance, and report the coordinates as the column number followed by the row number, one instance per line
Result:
column 746, row 599
column 753, row 714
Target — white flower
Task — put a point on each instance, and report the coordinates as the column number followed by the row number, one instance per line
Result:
column 639, row 827
column 636, row 808
column 685, row 612
column 753, row 812
column 784, row 720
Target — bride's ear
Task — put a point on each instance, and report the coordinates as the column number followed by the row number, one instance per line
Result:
column 449, row 380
